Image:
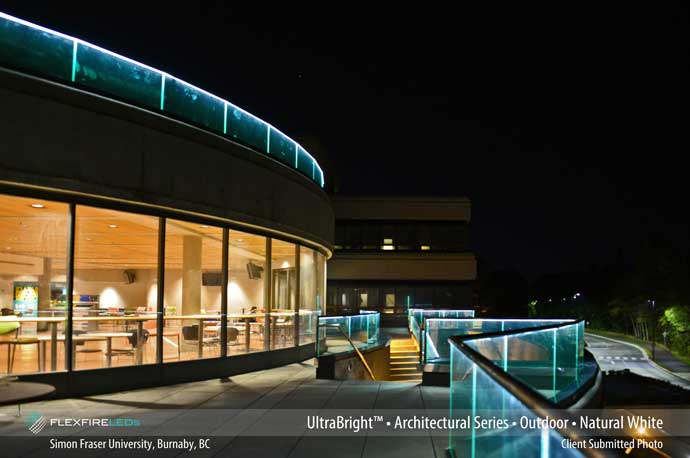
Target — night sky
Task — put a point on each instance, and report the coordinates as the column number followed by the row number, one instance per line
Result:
column 568, row 128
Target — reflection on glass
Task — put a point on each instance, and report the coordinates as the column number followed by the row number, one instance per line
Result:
column 438, row 330
column 284, row 294
column 28, row 48
column 193, row 284
column 115, row 281
column 246, row 280
column 310, row 279
column 337, row 334
column 473, row 392
column 550, row 361
column 33, row 233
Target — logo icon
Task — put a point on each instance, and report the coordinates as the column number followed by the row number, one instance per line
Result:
column 36, row 422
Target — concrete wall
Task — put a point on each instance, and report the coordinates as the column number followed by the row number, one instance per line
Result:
column 61, row 138
column 348, row 366
column 398, row 266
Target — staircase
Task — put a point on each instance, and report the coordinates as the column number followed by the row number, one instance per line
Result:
column 404, row 362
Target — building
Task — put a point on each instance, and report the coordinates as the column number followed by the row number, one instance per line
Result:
column 150, row 231
column 396, row 253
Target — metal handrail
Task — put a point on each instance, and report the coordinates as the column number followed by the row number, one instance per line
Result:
column 540, row 406
column 423, row 328
column 359, row 354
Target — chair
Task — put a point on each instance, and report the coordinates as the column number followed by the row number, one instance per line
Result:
column 151, row 327
column 233, row 333
column 133, row 340
column 191, row 334
column 7, row 328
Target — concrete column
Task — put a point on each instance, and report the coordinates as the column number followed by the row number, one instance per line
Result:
column 191, row 275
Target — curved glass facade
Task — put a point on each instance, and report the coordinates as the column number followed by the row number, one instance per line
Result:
column 43, row 52
column 85, row 287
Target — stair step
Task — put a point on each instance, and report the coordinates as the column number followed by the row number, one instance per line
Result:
column 403, row 363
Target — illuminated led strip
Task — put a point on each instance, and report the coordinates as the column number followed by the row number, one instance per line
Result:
column 78, row 41
column 433, row 348
column 163, row 94
column 225, row 117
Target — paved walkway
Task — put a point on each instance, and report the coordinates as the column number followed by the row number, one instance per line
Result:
column 663, row 357
column 230, row 411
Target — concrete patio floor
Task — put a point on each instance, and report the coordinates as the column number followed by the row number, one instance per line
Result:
column 232, row 412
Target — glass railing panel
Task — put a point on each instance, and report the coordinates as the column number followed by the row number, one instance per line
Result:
column 473, row 392
column 437, row 348
column 416, row 332
column 282, row 148
column 246, row 128
column 35, row 50
column 305, row 163
column 123, row 78
column 308, row 320
column 336, row 332
column 549, row 361
column 421, row 314
column 318, row 176
column 192, row 104
column 438, row 330
column 40, row 51
column 373, row 326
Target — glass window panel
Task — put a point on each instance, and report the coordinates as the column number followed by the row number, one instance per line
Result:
column 285, row 292
column 190, row 104
column 406, row 237
column 371, row 236
column 192, row 293
column 404, row 300
column 120, row 77
column 353, row 235
column 28, row 48
column 312, row 265
column 33, row 237
column 246, row 280
column 115, row 284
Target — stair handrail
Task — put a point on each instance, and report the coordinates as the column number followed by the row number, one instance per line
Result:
column 359, row 354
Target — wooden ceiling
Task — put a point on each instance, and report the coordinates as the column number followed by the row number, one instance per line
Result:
column 109, row 239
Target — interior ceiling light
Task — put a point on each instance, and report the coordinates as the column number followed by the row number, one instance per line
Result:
column 112, row 226
column 38, row 206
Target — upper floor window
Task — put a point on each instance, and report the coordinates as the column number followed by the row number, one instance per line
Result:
column 438, row 236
